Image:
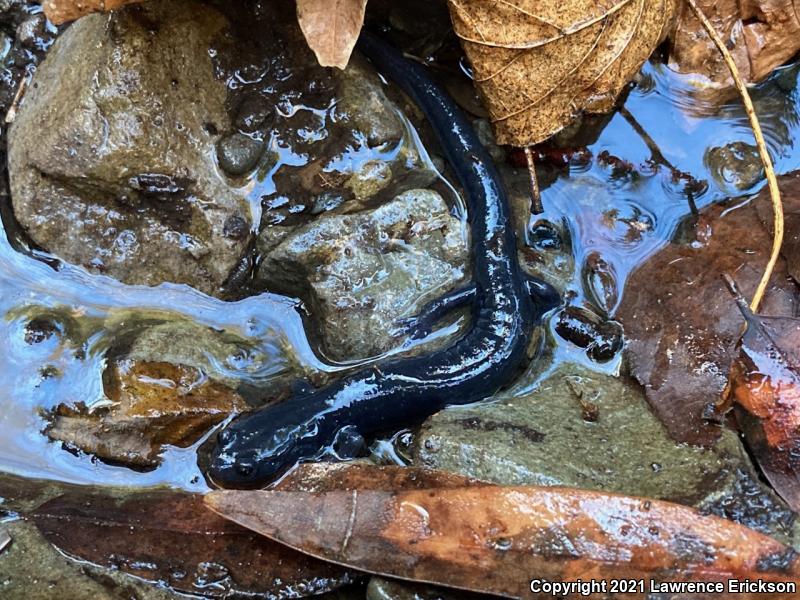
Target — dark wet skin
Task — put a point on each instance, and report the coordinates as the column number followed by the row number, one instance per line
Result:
column 506, row 306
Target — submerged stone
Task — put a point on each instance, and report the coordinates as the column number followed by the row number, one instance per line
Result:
column 238, row 153
column 736, row 167
column 360, row 273
column 586, row 430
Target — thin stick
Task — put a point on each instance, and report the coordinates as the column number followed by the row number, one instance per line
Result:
column 15, row 104
column 774, row 192
column 536, row 196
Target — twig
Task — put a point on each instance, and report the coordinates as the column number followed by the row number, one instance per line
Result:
column 17, row 101
column 692, row 184
column 536, row 196
column 774, row 192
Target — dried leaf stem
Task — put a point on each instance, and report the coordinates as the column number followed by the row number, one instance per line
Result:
column 536, row 197
column 774, row 192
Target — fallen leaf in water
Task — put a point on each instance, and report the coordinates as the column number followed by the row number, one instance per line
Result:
column 171, row 538
column 151, row 404
column 760, row 34
column 765, row 386
column 790, row 197
column 494, row 539
column 681, row 326
column 331, row 28
column 61, row 11
column 538, row 63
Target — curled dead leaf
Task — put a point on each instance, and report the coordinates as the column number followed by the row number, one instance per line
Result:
column 150, row 404
column 682, row 332
column 540, row 63
column 331, row 28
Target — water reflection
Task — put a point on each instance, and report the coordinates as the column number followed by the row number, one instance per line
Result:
column 668, row 153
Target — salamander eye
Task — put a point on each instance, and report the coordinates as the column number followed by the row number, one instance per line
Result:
column 245, row 468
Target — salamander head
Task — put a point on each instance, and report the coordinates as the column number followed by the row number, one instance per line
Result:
column 248, row 455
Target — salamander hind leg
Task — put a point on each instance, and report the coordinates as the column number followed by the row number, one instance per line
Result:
column 422, row 324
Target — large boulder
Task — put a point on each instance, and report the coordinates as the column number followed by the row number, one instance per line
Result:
column 111, row 156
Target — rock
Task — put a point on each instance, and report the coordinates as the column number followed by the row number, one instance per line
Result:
column 364, row 107
column 358, row 153
column 111, row 155
column 601, row 338
column 30, row 567
column 150, row 404
column 736, row 167
column 582, row 429
column 184, row 342
column 362, row 272
column 238, row 153
column 761, row 35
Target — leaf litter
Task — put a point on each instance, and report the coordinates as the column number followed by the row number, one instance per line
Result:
column 491, row 539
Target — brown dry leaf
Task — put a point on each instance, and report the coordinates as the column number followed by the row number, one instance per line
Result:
column 331, row 28
column 760, row 34
column 790, row 195
column 682, row 331
column 538, row 63
column 765, row 386
column 61, row 11
column 326, row 477
column 153, row 404
column 493, row 539
column 170, row 538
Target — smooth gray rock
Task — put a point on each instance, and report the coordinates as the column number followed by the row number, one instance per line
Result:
column 362, row 272
column 111, row 158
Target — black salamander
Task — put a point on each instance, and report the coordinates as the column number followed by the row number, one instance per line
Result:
column 506, row 306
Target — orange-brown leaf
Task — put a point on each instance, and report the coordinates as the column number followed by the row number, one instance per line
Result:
column 765, row 384
column 331, row 28
column 494, row 540
column 61, row 11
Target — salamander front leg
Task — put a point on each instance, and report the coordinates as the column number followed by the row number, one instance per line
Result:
column 544, row 295
column 421, row 325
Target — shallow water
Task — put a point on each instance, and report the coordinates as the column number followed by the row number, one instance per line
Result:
column 622, row 206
